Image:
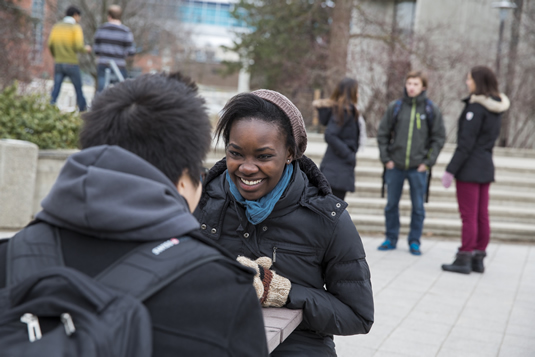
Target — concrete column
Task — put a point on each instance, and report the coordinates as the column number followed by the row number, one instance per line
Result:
column 244, row 81
column 18, row 168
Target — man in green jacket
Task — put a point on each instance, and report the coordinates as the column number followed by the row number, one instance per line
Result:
column 65, row 42
column 410, row 137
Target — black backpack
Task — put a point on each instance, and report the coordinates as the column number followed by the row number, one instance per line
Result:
column 48, row 309
column 430, row 116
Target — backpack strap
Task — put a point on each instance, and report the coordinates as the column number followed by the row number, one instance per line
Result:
column 152, row 266
column 430, row 113
column 395, row 113
column 37, row 247
column 142, row 272
column 429, row 177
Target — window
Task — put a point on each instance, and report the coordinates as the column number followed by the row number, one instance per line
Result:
column 208, row 13
column 38, row 12
column 405, row 11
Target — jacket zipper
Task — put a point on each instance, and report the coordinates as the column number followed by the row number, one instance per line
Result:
column 409, row 140
column 274, row 254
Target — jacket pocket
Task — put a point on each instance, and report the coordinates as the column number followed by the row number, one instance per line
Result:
column 300, row 264
column 290, row 252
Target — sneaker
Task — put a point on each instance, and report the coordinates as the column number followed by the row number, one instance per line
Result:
column 387, row 245
column 415, row 249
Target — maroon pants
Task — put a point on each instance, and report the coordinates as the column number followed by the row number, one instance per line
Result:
column 473, row 199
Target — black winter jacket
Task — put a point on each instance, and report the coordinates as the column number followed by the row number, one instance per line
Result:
column 313, row 242
column 478, row 129
column 338, row 163
column 106, row 202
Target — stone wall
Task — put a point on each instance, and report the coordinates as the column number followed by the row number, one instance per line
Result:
column 18, row 168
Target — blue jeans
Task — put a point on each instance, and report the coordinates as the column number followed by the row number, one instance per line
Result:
column 62, row 70
column 101, row 75
column 418, row 183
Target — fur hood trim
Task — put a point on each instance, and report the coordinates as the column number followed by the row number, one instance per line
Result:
column 323, row 103
column 491, row 104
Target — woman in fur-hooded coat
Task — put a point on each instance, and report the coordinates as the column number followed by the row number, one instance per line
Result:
column 473, row 168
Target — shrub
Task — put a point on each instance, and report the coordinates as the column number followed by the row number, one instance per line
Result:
column 30, row 117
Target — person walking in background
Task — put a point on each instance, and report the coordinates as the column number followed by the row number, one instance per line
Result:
column 473, row 168
column 344, row 135
column 273, row 209
column 113, row 42
column 410, row 137
column 66, row 40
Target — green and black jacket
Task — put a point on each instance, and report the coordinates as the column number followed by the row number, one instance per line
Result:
column 406, row 141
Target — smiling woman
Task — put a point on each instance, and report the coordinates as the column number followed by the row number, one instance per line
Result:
column 273, row 209
column 256, row 157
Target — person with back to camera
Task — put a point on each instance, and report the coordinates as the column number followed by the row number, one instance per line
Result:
column 344, row 135
column 473, row 168
column 272, row 208
column 113, row 41
column 135, row 183
column 410, row 137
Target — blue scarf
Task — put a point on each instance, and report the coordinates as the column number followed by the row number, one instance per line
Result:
column 257, row 211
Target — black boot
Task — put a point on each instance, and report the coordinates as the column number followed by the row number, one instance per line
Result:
column 477, row 261
column 462, row 263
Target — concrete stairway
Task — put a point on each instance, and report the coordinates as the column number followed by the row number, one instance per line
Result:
column 512, row 196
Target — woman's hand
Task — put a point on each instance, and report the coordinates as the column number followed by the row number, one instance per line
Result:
column 447, row 179
column 389, row 165
column 271, row 288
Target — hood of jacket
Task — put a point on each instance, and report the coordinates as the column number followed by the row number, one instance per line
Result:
column 491, row 104
column 109, row 192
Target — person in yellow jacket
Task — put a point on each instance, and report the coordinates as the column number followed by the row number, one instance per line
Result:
column 65, row 42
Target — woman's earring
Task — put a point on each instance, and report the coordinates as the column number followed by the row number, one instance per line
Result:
column 288, row 160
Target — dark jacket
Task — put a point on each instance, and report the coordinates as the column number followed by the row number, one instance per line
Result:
column 411, row 145
column 313, row 242
column 338, row 163
column 478, row 129
column 107, row 201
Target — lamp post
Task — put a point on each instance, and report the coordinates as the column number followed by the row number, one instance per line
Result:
column 504, row 6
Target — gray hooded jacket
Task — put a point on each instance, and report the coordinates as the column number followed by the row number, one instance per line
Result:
column 107, row 201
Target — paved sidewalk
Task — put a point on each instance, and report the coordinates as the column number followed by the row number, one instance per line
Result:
column 422, row 311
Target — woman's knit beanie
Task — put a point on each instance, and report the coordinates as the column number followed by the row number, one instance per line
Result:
column 291, row 111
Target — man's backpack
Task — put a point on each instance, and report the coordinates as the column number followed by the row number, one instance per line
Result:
column 48, row 309
column 430, row 116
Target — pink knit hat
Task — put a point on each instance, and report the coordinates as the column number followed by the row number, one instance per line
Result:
column 291, row 111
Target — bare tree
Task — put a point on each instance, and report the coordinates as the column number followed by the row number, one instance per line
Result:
column 520, row 85
column 15, row 43
column 505, row 139
column 383, row 54
column 338, row 42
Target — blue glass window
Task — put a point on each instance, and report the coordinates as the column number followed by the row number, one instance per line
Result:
column 209, row 13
